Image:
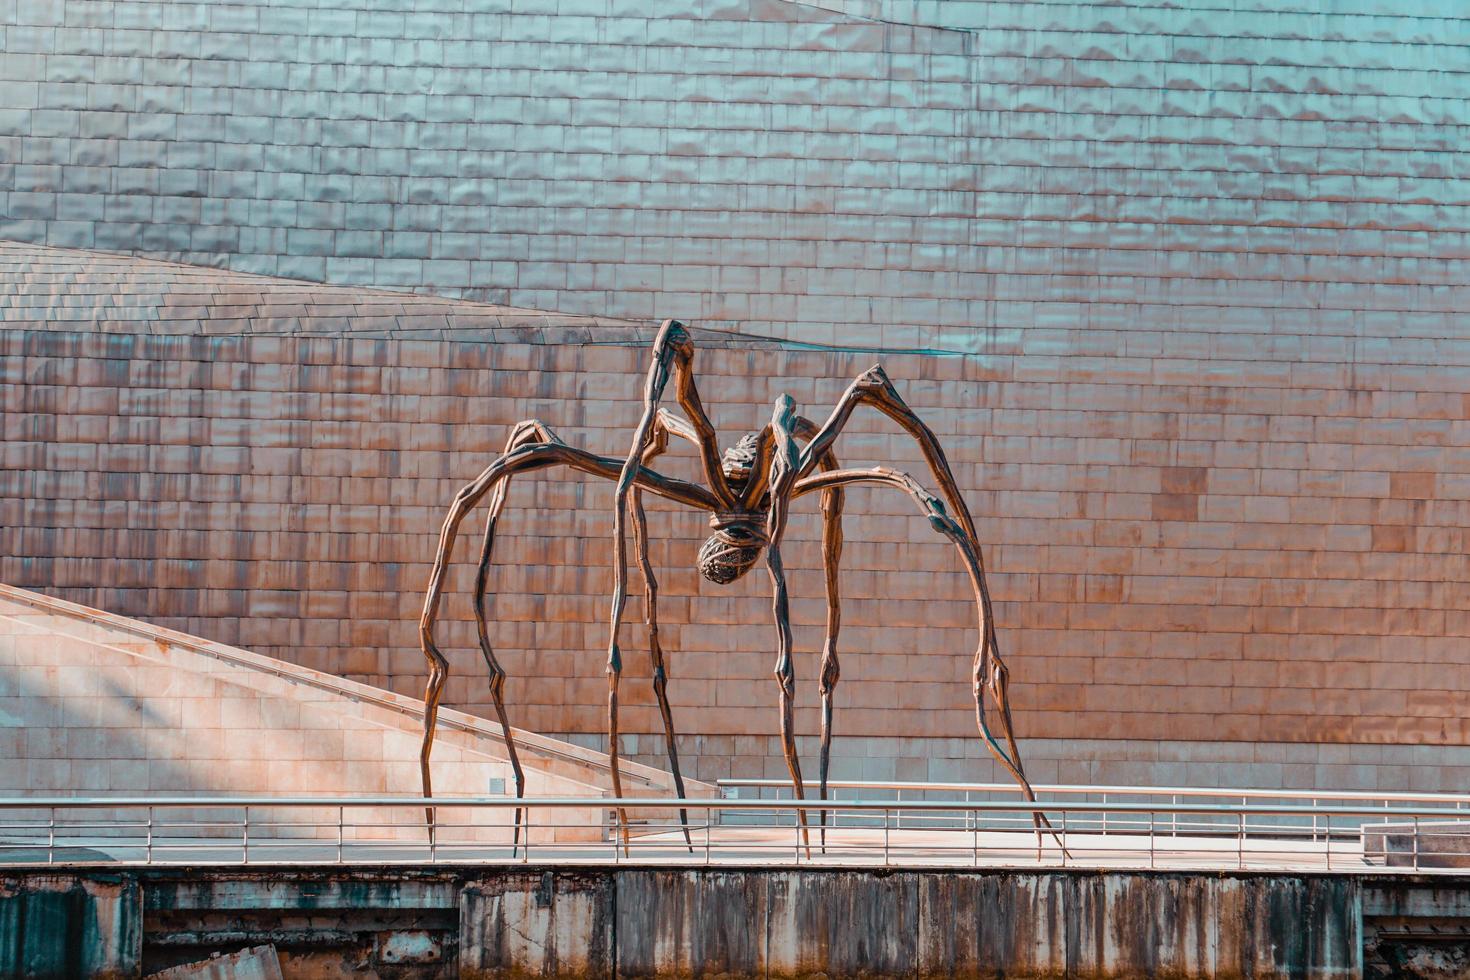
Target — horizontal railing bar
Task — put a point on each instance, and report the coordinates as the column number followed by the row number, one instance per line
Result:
column 1078, row 788
column 758, row 805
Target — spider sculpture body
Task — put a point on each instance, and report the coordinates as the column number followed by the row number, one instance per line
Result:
column 747, row 493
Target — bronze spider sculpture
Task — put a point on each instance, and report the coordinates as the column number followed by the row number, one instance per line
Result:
column 749, row 491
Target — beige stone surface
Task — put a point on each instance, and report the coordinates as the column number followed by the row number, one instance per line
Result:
column 1193, row 540
column 99, row 705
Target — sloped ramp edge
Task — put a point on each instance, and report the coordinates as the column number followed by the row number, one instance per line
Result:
column 459, row 734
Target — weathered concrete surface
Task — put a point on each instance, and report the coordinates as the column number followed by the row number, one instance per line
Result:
column 779, row 922
column 61, row 925
column 480, row 921
column 386, row 922
column 977, row 923
column 551, row 923
column 851, row 923
column 254, row 963
column 1416, row 928
column 677, row 923
column 1203, row 925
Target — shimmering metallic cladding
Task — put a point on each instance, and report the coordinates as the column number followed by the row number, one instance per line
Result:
column 1235, row 565
column 985, row 181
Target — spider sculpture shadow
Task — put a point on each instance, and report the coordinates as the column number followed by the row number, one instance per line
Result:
column 748, row 494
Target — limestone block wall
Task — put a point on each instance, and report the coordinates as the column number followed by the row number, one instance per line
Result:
column 897, row 173
column 93, row 704
column 1212, row 564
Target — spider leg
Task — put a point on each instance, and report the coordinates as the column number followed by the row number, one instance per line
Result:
column 660, row 441
column 673, row 354
column 524, row 433
column 665, row 349
column 990, row 673
column 997, row 680
column 830, row 670
column 783, row 481
column 872, row 387
column 433, row 691
column 533, row 456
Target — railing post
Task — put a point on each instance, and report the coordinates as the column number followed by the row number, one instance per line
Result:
column 340, row 819
column 885, row 836
column 148, row 852
column 1328, row 838
column 1416, row 843
column 1151, row 820
column 1240, row 841
column 51, row 835
column 245, row 837
column 973, row 816
column 1064, row 837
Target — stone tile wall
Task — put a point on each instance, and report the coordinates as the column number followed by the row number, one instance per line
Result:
column 1200, row 554
column 98, row 705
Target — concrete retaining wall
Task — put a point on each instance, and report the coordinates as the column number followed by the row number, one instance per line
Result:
column 767, row 922
column 865, row 923
column 61, row 925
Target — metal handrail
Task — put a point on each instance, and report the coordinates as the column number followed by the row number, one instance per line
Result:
column 246, row 829
column 696, row 803
column 1081, row 789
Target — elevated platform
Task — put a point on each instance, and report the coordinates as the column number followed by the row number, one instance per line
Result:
column 604, row 921
column 234, row 775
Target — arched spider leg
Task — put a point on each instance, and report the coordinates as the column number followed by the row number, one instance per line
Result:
column 990, row 674
column 783, row 469
column 673, row 354
column 534, row 456
column 664, row 424
column 525, row 433
column 830, row 671
column 872, row 387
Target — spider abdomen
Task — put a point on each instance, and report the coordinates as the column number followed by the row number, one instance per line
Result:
column 732, row 550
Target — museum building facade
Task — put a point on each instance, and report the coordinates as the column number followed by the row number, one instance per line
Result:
column 1181, row 290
